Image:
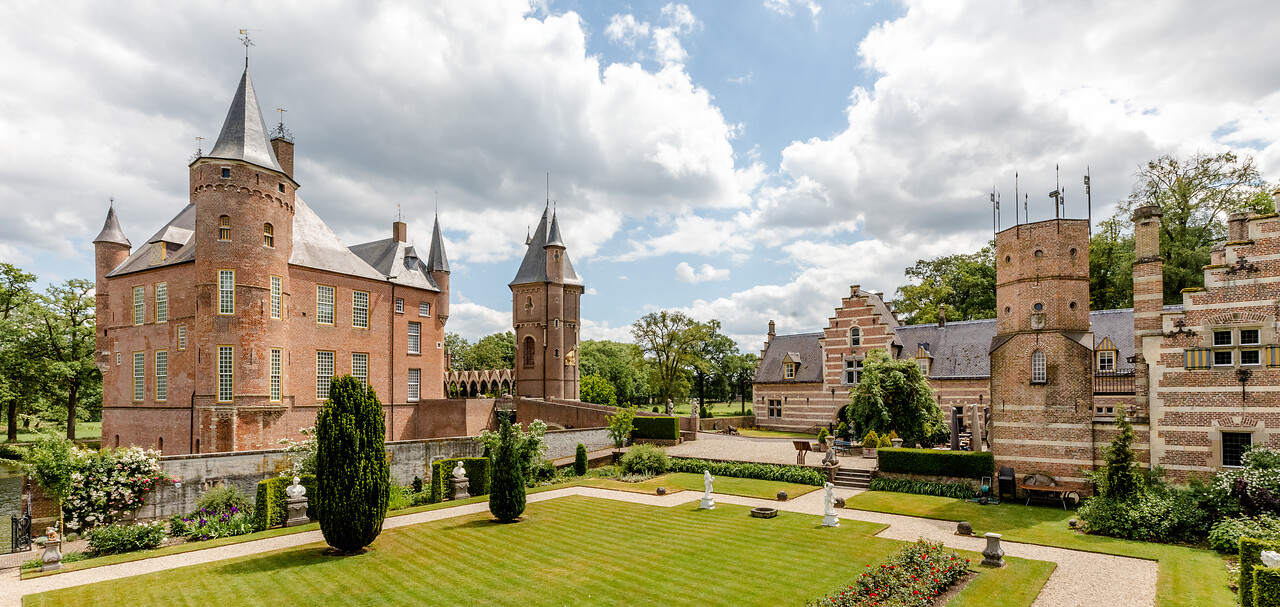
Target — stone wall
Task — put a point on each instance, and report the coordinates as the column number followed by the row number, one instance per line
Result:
column 564, row 443
column 720, row 423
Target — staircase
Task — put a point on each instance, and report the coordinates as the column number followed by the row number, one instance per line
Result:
column 852, row 478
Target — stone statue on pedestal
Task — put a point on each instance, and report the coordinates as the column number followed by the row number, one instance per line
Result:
column 829, row 518
column 296, row 504
column 708, row 503
column 461, row 484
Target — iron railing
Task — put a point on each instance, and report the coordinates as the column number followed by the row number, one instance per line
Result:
column 1119, row 381
column 20, row 533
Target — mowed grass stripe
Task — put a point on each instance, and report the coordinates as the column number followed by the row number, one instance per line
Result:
column 567, row 551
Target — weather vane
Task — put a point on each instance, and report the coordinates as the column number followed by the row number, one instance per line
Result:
column 280, row 131
column 244, row 39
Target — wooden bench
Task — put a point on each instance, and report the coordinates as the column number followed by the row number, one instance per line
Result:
column 802, row 448
column 1042, row 486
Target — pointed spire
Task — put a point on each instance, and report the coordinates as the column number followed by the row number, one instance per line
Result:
column 553, row 234
column 244, row 132
column 111, row 231
column 436, row 260
column 528, row 237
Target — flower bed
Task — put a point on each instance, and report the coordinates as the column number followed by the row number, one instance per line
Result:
column 207, row 525
column 110, row 483
column 910, row 578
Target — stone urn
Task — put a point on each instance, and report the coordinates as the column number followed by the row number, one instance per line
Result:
column 52, row 557
column 897, row 442
column 869, row 452
column 993, row 554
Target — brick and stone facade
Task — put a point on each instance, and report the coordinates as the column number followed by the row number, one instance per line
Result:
column 545, row 311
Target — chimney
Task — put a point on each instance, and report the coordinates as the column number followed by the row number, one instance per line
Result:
column 399, row 231
column 942, row 315
column 284, row 154
column 772, row 333
column 1237, row 227
column 1218, row 255
column 1146, row 232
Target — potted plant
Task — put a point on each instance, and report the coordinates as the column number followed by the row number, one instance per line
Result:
column 869, row 444
column 822, row 440
column 894, row 440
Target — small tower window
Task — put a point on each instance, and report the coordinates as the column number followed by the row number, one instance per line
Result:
column 528, row 352
column 224, row 227
column 282, row 191
column 268, row 235
column 855, row 336
column 226, row 173
column 1038, row 307
column 1039, row 371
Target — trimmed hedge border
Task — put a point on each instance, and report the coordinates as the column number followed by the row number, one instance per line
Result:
column 899, row 485
column 1250, row 562
column 269, row 507
column 658, row 428
column 1266, row 586
column 442, row 477
column 934, row 462
column 799, row 475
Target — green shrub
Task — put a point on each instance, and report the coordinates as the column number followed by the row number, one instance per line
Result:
column 871, row 440
column 657, row 428
column 117, row 539
column 1266, row 586
column 885, row 442
column 417, row 484
column 1250, row 557
column 842, row 431
column 269, row 507
column 400, row 497
column 1152, row 516
column 1226, row 533
column 799, row 475
column 934, row 462
column 507, row 498
column 442, row 477
column 644, row 459
column 351, row 461
column 902, row 485
column 207, row 525
column 223, row 499
column 580, row 460
column 822, row 435
column 12, row 453
column 918, row 572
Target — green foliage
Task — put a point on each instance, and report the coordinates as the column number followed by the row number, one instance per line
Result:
column 822, row 435
column 620, row 425
column 530, row 445
column 269, row 507
column 222, row 499
column 1120, row 478
column 1111, row 259
column 12, row 453
column 621, row 364
column 580, row 460
column 902, row 485
column 1266, row 586
column 207, row 525
column 1151, row 516
column 799, row 475
column 871, row 440
column 50, row 462
column 842, row 431
column 910, row 578
column 658, row 428
column 1226, row 534
column 644, row 459
column 672, row 342
column 964, row 284
column 932, row 462
column 64, row 344
column 598, row 390
column 1250, row 557
column 893, row 395
column 117, row 539
column 885, row 442
column 496, row 351
column 302, row 454
column 507, row 498
column 351, row 460
column 478, row 473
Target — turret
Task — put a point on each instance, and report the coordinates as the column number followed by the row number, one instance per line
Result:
column 555, row 251
column 438, row 267
column 110, row 249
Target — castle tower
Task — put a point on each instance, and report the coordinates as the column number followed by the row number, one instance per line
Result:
column 438, row 267
column 110, row 249
column 546, row 294
column 1041, row 356
column 244, row 204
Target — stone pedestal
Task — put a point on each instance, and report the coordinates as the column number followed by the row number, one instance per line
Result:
column 461, row 489
column 708, row 503
column 830, row 520
column 993, row 554
column 297, row 509
column 52, row 557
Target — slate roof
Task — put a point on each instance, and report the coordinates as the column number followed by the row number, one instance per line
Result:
column 533, row 269
column 437, row 261
column 244, row 132
column 316, row 246
column 397, row 261
column 177, row 233
column 804, row 346
column 959, row 349
column 111, row 231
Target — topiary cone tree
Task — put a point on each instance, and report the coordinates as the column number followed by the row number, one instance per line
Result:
column 506, row 486
column 580, row 460
column 351, row 466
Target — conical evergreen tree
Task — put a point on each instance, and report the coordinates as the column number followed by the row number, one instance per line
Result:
column 506, row 489
column 351, row 466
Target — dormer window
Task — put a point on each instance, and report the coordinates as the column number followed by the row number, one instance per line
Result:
column 789, row 370
column 224, row 227
column 923, row 364
column 1106, row 360
column 158, row 252
column 268, row 235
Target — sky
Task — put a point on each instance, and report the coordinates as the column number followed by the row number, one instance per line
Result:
column 743, row 161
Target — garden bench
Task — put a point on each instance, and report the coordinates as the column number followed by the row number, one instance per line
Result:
column 843, row 447
column 1043, row 487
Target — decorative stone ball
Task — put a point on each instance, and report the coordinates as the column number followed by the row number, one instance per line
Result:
column 839, row 502
column 782, row 496
column 662, row 490
column 1073, row 523
column 964, row 528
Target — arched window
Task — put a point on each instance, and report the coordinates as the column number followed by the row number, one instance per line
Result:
column 268, row 235
column 528, row 302
column 528, row 352
column 224, row 227
column 855, row 336
column 160, row 444
column 1039, row 374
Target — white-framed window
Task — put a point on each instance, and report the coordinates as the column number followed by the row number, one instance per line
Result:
column 1222, row 338
column 399, row 305
column 277, row 296
column 162, row 375
column 415, row 380
column 324, row 304
column 1251, row 357
column 415, row 338
column 162, row 302
column 774, row 408
column 182, row 337
column 1250, row 337
column 226, row 373
column 139, row 376
column 1234, row 446
column 1106, row 360
column 324, row 373
column 852, row 368
column 226, row 292
column 789, row 370
column 923, row 364
column 360, row 366
column 360, row 309
column 855, row 336
column 1039, row 369
column 424, row 308
column 277, row 369
column 1223, row 358
column 139, row 306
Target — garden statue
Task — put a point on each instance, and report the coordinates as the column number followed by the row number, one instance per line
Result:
column 52, row 557
column 296, row 504
column 708, row 503
column 993, row 554
column 829, row 518
column 830, row 459
column 1270, row 558
column 671, row 408
column 461, row 484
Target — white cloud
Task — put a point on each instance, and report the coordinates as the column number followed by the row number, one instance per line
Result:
column 472, row 320
column 788, row 7
column 743, row 79
column 591, row 291
column 664, row 39
column 626, row 30
column 601, row 330
column 686, row 273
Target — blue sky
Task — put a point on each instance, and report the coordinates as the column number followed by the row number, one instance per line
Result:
column 744, row 161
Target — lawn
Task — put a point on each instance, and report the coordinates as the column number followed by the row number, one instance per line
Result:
column 758, row 433
column 567, row 551
column 733, row 409
column 84, row 431
column 677, row 481
column 1189, row 577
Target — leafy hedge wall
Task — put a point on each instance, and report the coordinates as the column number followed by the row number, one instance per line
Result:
column 1250, row 557
column 442, row 474
column 799, row 475
column 900, row 485
column 658, row 428
column 269, row 508
column 933, row 462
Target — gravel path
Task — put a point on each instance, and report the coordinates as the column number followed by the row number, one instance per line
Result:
column 1081, row 579
column 764, row 450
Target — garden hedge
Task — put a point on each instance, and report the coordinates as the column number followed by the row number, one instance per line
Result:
column 442, row 477
column 933, row 462
column 1266, row 586
column 269, row 507
column 902, row 485
column 799, row 475
column 657, row 428
column 1251, row 557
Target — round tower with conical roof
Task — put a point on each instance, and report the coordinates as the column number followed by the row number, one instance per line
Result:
column 110, row 249
column 546, row 298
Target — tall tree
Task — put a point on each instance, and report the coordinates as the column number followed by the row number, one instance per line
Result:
column 893, row 395
column 1195, row 194
column 458, row 351
column 964, row 283
column 670, row 339
column 66, row 344
column 506, row 489
column 17, row 380
column 741, row 370
column 621, row 364
column 352, row 472
column 496, row 351
column 709, row 355
column 1111, row 265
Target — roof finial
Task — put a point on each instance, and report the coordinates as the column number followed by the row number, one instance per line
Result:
column 548, row 188
column 437, row 203
column 399, row 216
column 244, row 39
column 111, row 202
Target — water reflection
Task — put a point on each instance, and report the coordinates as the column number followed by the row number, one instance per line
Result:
column 10, row 500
